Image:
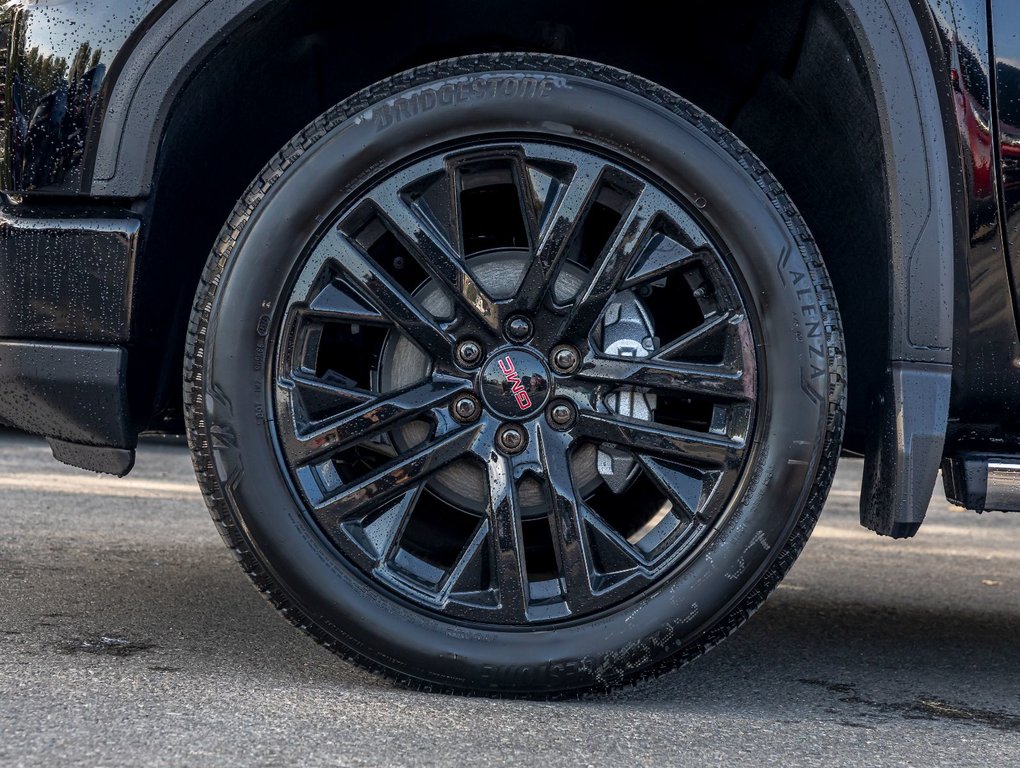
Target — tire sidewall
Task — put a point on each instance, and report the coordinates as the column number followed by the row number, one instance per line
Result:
column 372, row 131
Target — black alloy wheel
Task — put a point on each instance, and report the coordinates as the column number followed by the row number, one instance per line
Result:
column 493, row 440
column 517, row 374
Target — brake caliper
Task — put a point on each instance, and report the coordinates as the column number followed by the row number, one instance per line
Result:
column 626, row 332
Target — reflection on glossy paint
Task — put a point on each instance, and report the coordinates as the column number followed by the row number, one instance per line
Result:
column 60, row 55
column 986, row 332
column 1006, row 21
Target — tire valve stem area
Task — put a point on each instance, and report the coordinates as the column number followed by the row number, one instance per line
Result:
column 627, row 331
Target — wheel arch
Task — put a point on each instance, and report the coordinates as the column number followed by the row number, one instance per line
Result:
column 902, row 388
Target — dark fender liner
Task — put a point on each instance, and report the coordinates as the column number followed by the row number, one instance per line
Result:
column 153, row 75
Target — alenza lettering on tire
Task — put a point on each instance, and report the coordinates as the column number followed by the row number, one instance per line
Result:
column 810, row 325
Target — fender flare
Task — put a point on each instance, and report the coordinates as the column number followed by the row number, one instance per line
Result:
column 903, row 60
column 901, row 57
column 148, row 78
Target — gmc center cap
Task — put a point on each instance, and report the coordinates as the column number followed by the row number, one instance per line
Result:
column 515, row 383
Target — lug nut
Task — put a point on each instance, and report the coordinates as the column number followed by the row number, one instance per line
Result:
column 510, row 438
column 518, row 328
column 469, row 353
column 562, row 413
column 465, row 409
column 565, row 358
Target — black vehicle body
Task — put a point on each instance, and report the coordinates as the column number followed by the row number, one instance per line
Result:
column 128, row 129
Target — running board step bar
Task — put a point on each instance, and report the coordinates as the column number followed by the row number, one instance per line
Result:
column 983, row 482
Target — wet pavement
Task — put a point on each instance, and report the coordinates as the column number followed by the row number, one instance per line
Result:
column 128, row 635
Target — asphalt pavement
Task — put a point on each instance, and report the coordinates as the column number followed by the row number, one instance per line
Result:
column 129, row 636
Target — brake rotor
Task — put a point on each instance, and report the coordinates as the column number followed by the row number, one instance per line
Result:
column 401, row 364
column 627, row 327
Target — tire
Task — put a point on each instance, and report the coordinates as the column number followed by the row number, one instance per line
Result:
column 757, row 438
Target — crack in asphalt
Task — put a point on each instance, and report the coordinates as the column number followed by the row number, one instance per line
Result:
column 921, row 708
column 104, row 645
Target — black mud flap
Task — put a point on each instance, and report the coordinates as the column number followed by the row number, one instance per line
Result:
column 902, row 459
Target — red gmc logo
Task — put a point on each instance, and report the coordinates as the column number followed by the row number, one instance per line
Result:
column 506, row 365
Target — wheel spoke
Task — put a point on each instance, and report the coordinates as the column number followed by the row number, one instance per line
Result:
column 602, row 536
column 468, row 565
column 352, row 427
column 335, row 304
column 569, row 539
column 438, row 257
column 614, row 262
column 683, row 486
column 694, row 336
column 701, row 448
column 658, row 258
column 504, row 520
column 553, row 238
column 344, row 396
column 387, row 296
column 715, row 381
column 381, row 536
column 394, row 478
